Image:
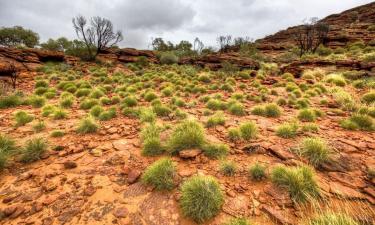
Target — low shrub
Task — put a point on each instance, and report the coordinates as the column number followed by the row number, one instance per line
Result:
column 228, row 168
column 201, row 198
column 22, row 118
column 33, row 150
column 315, row 150
column 215, row 151
column 160, row 174
column 299, row 181
column 257, row 171
column 248, row 130
column 87, row 125
column 188, row 134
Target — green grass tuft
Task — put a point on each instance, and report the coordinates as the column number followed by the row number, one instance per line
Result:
column 201, row 198
column 160, row 174
column 299, row 181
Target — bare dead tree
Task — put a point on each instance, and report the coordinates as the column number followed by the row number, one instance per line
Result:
column 198, row 45
column 98, row 36
column 224, row 42
column 310, row 35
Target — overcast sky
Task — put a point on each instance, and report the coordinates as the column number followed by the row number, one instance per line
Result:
column 175, row 20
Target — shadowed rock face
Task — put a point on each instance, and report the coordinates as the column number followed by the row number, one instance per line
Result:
column 214, row 61
column 127, row 55
column 345, row 27
column 27, row 59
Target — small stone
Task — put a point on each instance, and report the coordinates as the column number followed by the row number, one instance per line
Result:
column 70, row 164
column 121, row 212
column 49, row 186
column 190, row 153
column 9, row 210
column 133, row 176
column 96, row 152
column 89, row 191
column 125, row 170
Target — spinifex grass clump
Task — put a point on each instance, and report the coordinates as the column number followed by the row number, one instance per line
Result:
column 33, row 150
column 307, row 115
column 248, row 130
column 22, row 118
column 7, row 147
column 359, row 122
column 238, row 221
column 9, row 101
column 299, row 181
column 152, row 145
column 188, row 134
column 201, row 198
column 315, row 150
column 257, row 171
column 237, row 109
column 87, row 125
column 287, row 130
column 369, row 97
column 228, row 168
column 160, row 174
column 216, row 119
column 215, row 151
column 267, row 110
column 331, row 218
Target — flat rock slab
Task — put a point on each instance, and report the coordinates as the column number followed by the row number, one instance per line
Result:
column 190, row 153
column 277, row 216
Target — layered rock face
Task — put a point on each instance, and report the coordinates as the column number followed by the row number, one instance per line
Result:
column 27, row 59
column 349, row 26
column 128, row 55
column 214, row 61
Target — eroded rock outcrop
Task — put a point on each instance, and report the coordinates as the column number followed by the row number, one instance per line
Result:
column 349, row 26
column 127, row 55
column 27, row 59
column 214, row 61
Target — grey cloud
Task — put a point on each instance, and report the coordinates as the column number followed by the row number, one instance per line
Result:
column 174, row 20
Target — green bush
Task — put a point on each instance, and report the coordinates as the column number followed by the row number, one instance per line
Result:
column 160, row 174
column 307, row 115
column 257, row 171
column 315, row 150
column 10, row 101
column 238, row 221
column 149, row 96
column 216, row 119
column 7, row 147
column 248, row 130
column 57, row 133
column 287, row 130
column 201, row 198
column 33, row 150
column 186, row 135
column 228, row 168
column 150, row 136
column 358, row 122
column 299, row 181
column 237, row 109
column 330, row 218
column 36, row 101
column 215, row 151
column 130, row 101
column 234, row 134
column 87, row 125
column 96, row 110
column 267, row 110
column 168, row 58
column 59, row 114
column 22, row 118
column 88, row 103
column 369, row 97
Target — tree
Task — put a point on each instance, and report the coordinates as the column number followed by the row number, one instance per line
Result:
column 60, row 44
column 224, row 42
column 310, row 35
column 18, row 36
column 97, row 37
column 198, row 45
column 159, row 44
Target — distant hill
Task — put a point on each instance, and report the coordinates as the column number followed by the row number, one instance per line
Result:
column 349, row 26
